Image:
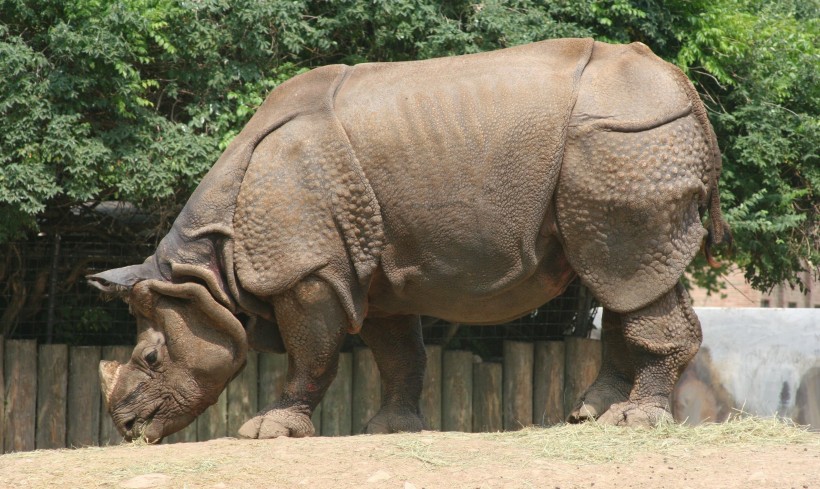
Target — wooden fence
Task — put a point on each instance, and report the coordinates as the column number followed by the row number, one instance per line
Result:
column 52, row 393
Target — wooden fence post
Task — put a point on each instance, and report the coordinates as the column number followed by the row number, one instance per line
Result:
column 213, row 423
column 273, row 369
column 431, row 390
column 583, row 361
column 366, row 388
column 83, row 409
column 108, row 432
column 457, row 391
column 548, row 383
column 517, row 391
column 52, row 391
column 243, row 395
column 2, row 397
column 487, row 406
column 336, row 408
column 21, row 395
column 185, row 435
column 316, row 419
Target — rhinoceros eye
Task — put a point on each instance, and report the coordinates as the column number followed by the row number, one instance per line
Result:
column 151, row 358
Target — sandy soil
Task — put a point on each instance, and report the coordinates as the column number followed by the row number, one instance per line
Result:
column 425, row 460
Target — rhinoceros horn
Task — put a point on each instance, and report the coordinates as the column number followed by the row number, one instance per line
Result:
column 109, row 373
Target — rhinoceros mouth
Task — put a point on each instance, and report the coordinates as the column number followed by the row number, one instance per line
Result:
column 134, row 427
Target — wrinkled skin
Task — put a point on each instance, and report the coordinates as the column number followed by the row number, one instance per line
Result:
column 187, row 351
column 472, row 189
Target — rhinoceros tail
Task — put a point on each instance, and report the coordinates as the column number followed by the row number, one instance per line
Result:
column 718, row 231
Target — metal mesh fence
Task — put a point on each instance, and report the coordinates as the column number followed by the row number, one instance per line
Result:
column 44, row 296
column 570, row 314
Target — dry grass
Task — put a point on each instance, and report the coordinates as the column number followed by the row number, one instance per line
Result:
column 423, row 451
column 597, row 443
column 717, row 455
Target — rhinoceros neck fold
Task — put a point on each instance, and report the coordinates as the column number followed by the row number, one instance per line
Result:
column 204, row 230
column 222, row 233
column 305, row 205
column 356, row 210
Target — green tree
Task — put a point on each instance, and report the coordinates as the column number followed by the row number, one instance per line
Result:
column 134, row 99
column 756, row 64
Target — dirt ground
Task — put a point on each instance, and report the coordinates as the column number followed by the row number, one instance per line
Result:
column 564, row 457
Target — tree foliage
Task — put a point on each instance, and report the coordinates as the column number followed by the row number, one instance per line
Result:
column 756, row 64
column 133, row 100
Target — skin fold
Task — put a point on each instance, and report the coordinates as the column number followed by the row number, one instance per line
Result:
column 472, row 189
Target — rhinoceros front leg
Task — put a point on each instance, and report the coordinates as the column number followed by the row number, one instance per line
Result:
column 313, row 326
column 398, row 348
column 616, row 377
column 661, row 339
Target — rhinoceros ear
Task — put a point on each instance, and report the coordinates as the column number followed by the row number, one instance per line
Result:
column 119, row 280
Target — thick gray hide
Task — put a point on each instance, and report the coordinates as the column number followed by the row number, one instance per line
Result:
column 471, row 188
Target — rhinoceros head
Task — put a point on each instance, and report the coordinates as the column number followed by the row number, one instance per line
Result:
column 189, row 346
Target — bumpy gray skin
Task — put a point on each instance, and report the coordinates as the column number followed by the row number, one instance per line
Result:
column 472, row 189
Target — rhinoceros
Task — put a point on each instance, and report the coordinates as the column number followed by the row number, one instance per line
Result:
column 470, row 188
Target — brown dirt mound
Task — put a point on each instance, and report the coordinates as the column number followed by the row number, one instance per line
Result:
column 762, row 454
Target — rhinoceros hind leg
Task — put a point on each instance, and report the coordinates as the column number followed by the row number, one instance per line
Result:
column 636, row 415
column 398, row 348
column 616, row 377
column 661, row 339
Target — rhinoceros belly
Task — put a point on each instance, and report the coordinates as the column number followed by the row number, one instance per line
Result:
column 468, row 286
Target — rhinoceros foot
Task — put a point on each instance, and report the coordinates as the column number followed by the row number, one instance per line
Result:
column 276, row 423
column 394, row 421
column 636, row 415
column 606, row 391
column 584, row 412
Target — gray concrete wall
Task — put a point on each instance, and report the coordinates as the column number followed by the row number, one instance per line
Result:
column 761, row 361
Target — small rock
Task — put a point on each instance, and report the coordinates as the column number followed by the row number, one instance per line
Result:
column 379, row 475
column 146, row 481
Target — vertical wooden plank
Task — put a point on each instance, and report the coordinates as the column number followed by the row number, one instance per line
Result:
column 548, row 383
column 366, row 388
column 583, row 361
column 243, row 393
column 52, row 391
column 337, row 414
column 457, row 391
column 83, row 409
column 108, row 432
column 316, row 419
column 273, row 369
column 487, row 410
column 21, row 395
column 213, row 423
column 517, row 390
column 185, row 435
column 431, row 390
column 2, row 397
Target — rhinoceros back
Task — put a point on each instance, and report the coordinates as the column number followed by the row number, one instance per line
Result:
column 463, row 154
